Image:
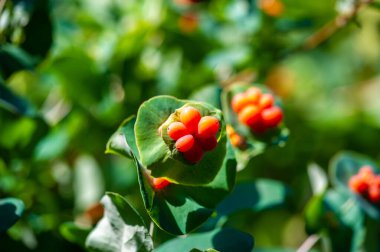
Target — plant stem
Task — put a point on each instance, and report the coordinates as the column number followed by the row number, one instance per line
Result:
column 309, row 243
column 151, row 229
column 333, row 26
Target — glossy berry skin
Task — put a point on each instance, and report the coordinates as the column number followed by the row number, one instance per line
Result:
column 266, row 101
column 236, row 140
column 194, row 155
column 272, row 116
column 177, row 130
column 239, row 101
column 208, row 126
column 208, row 144
column 160, row 183
column 249, row 115
column 366, row 173
column 185, row 143
column 258, row 127
column 253, row 95
column 190, row 117
column 358, row 185
column 374, row 187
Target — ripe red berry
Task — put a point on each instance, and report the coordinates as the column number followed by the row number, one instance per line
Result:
column 253, row 95
column 190, row 117
column 159, row 183
column 249, row 115
column 239, row 101
column 366, row 172
column 374, row 189
column 208, row 126
column 185, row 143
column 258, row 127
column 272, row 116
column 194, row 155
column 358, row 185
column 177, row 130
column 208, row 144
column 266, row 101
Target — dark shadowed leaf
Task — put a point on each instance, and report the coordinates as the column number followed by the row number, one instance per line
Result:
column 73, row 233
column 11, row 210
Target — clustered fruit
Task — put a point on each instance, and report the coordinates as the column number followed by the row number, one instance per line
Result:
column 194, row 134
column 366, row 184
column 257, row 110
column 235, row 139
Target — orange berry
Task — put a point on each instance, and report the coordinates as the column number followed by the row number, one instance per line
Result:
column 177, row 130
column 194, row 155
column 253, row 95
column 230, row 130
column 160, row 183
column 237, row 140
column 266, row 101
column 374, row 189
column 208, row 126
column 208, row 144
column 366, row 172
column 188, row 22
column 271, row 7
column 249, row 115
column 190, row 117
column 185, row 143
column 357, row 185
column 272, row 116
column 239, row 101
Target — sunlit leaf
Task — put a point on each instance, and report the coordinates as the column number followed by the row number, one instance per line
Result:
column 121, row 228
column 226, row 240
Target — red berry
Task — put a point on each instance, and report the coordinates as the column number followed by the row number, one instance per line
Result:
column 208, row 144
column 253, row 95
column 160, row 183
column 185, row 143
column 258, row 127
column 266, row 101
column 272, row 116
column 374, row 190
column 190, row 117
column 358, row 185
column 249, row 115
column 239, row 101
column 366, row 172
column 208, row 126
column 177, row 130
column 194, row 155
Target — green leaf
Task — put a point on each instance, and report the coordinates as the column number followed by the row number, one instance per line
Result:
column 225, row 240
column 73, row 233
column 117, row 144
column 14, row 59
column 255, row 143
column 14, row 103
column 11, row 210
column 256, row 196
column 179, row 209
column 157, row 150
column 120, row 229
column 342, row 167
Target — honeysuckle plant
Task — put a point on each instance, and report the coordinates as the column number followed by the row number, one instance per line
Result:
column 349, row 211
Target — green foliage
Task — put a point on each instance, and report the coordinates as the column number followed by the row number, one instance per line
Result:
column 11, row 210
column 121, row 228
column 220, row 239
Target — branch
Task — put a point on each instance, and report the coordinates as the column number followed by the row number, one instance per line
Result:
column 333, row 26
column 308, row 243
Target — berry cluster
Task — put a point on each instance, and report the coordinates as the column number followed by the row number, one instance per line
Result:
column 257, row 110
column 235, row 139
column 367, row 184
column 194, row 134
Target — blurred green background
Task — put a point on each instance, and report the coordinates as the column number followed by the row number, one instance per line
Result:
column 71, row 71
